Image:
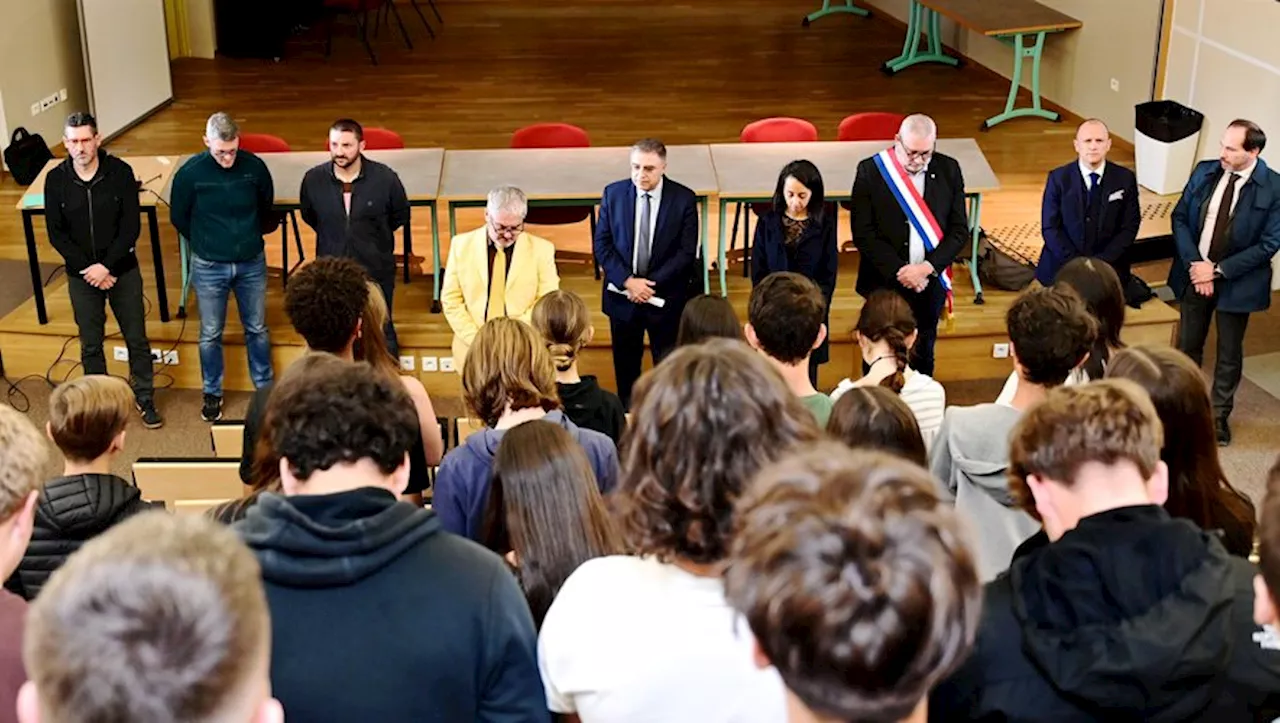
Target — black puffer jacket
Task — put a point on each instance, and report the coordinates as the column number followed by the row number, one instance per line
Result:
column 70, row 511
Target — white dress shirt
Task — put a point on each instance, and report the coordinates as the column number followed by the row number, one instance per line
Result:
column 915, row 243
column 1084, row 173
column 1215, row 203
column 655, row 198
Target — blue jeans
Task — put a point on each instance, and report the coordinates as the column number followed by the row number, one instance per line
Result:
column 213, row 282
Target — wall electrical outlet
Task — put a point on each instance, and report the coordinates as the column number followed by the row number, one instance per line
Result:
column 406, row 363
column 62, row 96
column 1000, row 351
column 157, row 356
column 1115, row 85
column 171, row 358
column 35, row 108
column 430, row 364
column 120, row 353
column 446, row 363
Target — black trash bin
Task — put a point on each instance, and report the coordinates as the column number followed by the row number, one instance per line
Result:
column 1165, row 142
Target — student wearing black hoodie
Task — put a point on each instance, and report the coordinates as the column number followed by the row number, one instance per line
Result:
column 1124, row 613
column 377, row 613
column 91, row 210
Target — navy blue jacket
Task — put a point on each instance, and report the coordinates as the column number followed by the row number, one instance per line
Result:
column 817, row 257
column 672, row 255
column 1062, row 219
column 1254, row 237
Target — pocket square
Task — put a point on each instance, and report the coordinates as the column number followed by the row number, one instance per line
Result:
column 1116, row 196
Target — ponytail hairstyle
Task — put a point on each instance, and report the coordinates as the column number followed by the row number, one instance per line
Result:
column 886, row 316
column 562, row 319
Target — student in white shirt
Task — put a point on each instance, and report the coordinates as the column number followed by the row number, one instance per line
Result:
column 651, row 638
column 885, row 333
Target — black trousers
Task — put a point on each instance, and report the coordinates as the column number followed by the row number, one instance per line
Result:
column 927, row 307
column 1193, row 328
column 628, row 343
column 389, row 329
column 89, row 306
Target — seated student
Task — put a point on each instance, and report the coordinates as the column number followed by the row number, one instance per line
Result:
column 23, row 456
column 1266, row 584
column 564, row 322
column 885, row 332
column 651, row 637
column 1125, row 613
column 1050, row 333
column 858, row 584
column 507, row 379
column 377, row 615
column 708, row 316
column 1198, row 487
column 785, row 323
column 545, row 513
column 87, row 420
column 161, row 618
column 876, row 418
column 1098, row 286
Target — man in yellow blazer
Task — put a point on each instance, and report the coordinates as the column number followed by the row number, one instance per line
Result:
column 496, row 270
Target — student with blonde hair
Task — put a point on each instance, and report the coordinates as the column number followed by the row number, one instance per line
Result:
column 561, row 317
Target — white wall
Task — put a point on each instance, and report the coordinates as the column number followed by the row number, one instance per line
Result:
column 40, row 55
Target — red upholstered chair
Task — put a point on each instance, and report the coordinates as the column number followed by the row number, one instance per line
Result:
column 556, row 135
column 381, row 139
column 876, row 126
column 767, row 130
column 362, row 11
column 264, row 143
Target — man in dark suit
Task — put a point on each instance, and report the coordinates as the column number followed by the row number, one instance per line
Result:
column 1090, row 208
column 1226, row 228
column 894, row 255
column 646, row 243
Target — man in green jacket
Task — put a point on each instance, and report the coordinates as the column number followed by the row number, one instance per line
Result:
column 221, row 202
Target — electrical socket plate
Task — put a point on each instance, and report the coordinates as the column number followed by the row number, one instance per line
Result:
column 62, row 95
column 157, row 356
column 1000, row 351
column 446, row 363
column 120, row 353
column 406, row 363
column 430, row 364
column 171, row 358
column 35, row 108
column 1115, row 85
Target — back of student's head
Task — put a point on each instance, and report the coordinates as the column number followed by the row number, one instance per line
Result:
column 371, row 344
column 786, row 313
column 1051, row 332
column 1110, row 422
column 1198, row 487
column 507, row 366
column 265, row 474
column 159, row 619
column 877, row 418
column 1269, row 544
column 339, row 413
column 87, row 414
column 1097, row 284
column 544, row 505
column 887, row 317
column 858, row 583
column 708, row 316
column 24, row 456
column 324, row 301
column 564, row 322
column 704, row 421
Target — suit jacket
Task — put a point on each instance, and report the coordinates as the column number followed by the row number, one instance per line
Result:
column 1062, row 219
column 880, row 228
column 816, row 256
column 672, row 254
column 465, row 291
column 1254, row 237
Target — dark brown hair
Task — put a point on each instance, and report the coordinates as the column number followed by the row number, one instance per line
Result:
column 507, row 364
column 704, row 421
column 887, row 317
column 1097, row 285
column 563, row 320
column 346, row 125
column 544, row 503
column 324, row 302
column 1254, row 138
column 858, row 583
column 86, row 413
column 708, row 316
column 1269, row 533
column 1051, row 332
column 877, row 418
column 786, row 312
column 1198, row 488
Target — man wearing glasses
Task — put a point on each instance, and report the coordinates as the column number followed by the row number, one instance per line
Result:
column 496, row 270
column 909, row 222
column 221, row 203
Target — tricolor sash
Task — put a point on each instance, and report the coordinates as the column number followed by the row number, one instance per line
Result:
column 915, row 209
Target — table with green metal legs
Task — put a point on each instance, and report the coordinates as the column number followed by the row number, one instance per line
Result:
column 828, row 8
column 1022, row 24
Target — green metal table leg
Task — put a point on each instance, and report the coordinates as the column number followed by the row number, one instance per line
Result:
column 720, row 256
column 917, row 16
column 702, row 242
column 848, row 8
column 183, row 260
column 435, row 261
column 975, row 222
column 1035, row 52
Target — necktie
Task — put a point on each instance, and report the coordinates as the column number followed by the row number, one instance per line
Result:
column 498, row 286
column 642, row 249
column 1218, row 241
column 1094, row 186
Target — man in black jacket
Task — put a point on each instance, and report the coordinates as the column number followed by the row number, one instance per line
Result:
column 91, row 210
column 895, row 253
column 1125, row 613
column 356, row 205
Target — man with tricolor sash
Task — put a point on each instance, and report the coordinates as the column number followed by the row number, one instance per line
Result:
column 909, row 222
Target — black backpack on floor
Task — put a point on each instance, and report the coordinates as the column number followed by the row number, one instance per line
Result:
column 26, row 156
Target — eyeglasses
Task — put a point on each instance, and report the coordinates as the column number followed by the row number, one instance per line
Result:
column 507, row 230
column 224, row 154
column 916, row 155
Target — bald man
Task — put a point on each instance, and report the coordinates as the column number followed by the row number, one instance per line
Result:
column 1090, row 207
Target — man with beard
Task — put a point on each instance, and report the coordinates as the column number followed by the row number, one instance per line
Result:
column 91, row 209
column 355, row 205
